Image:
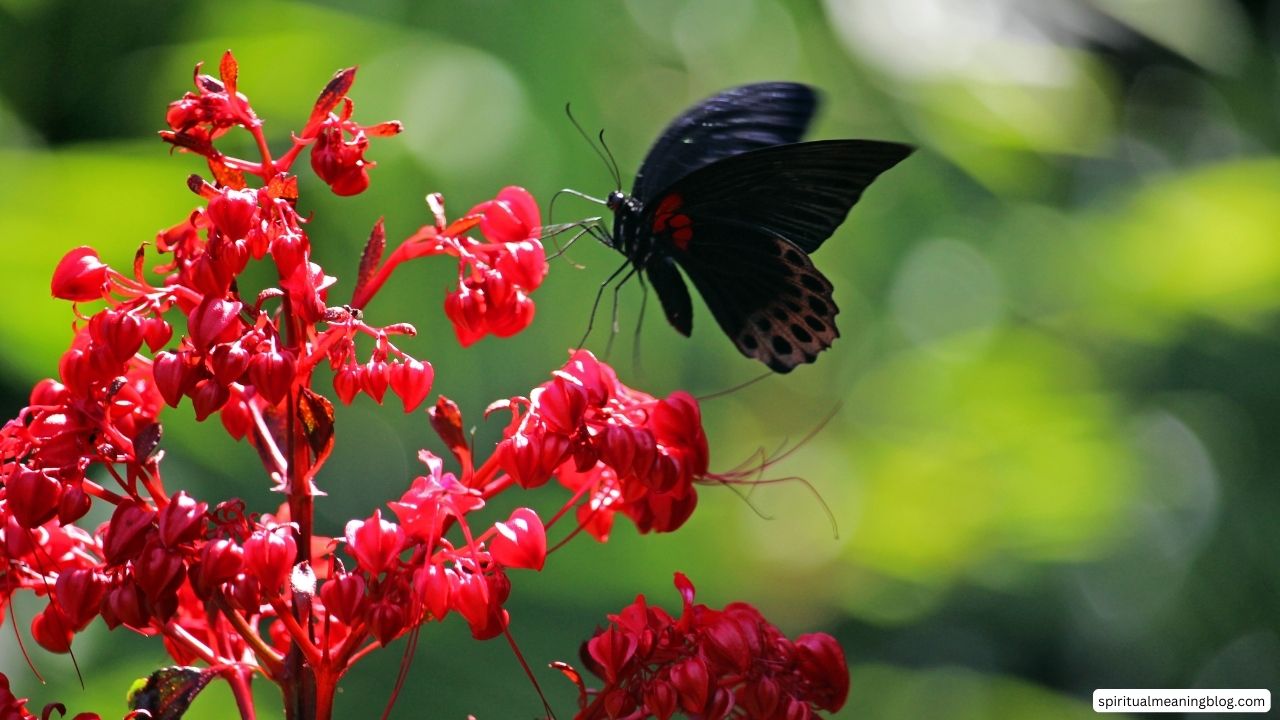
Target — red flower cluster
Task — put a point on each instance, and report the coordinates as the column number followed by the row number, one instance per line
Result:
column 623, row 450
column 495, row 278
column 712, row 664
column 408, row 573
column 248, row 594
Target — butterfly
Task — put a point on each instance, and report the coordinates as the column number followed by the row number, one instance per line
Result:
column 730, row 196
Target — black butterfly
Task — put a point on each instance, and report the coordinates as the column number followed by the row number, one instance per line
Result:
column 730, row 195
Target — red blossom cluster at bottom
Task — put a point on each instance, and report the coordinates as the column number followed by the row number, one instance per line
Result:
column 709, row 664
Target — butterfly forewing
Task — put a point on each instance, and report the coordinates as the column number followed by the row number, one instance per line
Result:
column 735, row 121
column 801, row 192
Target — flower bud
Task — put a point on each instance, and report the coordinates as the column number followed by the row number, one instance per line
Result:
column 288, row 250
column 157, row 333
column 234, row 212
column 513, row 316
column 411, row 380
column 32, row 496
column 386, row 621
column 269, row 555
column 79, row 592
column 532, row 454
column 121, row 333
column 245, row 593
column 80, row 276
column 173, row 376
column 612, row 650
column 271, row 373
column 221, row 559
column 181, row 520
column 373, row 379
column 52, row 630
column 660, row 699
column 693, row 682
column 431, row 585
column 125, row 604
column 821, row 661
column 236, row 417
column 375, row 542
column 74, row 504
column 211, row 320
column 127, row 532
column 228, row 361
column 158, row 571
column 521, row 542
column 561, row 404
column 465, row 309
column 344, row 597
column 346, row 383
column 208, row 396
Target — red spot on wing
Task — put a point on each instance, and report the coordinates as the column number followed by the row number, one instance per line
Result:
column 682, row 236
column 666, row 208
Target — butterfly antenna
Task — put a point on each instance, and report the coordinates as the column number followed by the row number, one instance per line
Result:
column 606, row 159
column 613, row 162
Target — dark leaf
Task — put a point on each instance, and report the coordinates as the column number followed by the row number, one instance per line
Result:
column 446, row 419
column 168, row 692
column 229, row 69
column 284, row 187
column 186, row 141
column 333, row 94
column 147, row 440
column 315, row 412
column 371, row 257
column 226, row 175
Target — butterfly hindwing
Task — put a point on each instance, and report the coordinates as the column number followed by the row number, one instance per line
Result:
column 734, row 121
column 764, row 292
column 670, row 288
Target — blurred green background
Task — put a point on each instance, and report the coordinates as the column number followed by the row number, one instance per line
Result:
column 1053, row 457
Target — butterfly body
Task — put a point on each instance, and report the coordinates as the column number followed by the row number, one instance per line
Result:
column 729, row 196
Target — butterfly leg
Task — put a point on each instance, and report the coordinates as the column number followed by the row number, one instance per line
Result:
column 635, row 338
column 608, row 348
column 591, row 320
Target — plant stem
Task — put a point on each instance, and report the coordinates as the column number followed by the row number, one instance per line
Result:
column 240, row 679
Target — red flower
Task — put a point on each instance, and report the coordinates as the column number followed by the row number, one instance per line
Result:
column 627, row 451
column 493, row 296
column 521, row 542
column 269, row 555
column 374, row 542
column 80, row 276
column 708, row 662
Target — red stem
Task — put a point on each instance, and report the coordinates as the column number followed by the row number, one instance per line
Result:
column 240, row 678
column 415, row 246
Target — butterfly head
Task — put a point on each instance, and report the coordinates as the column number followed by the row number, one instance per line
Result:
column 615, row 200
